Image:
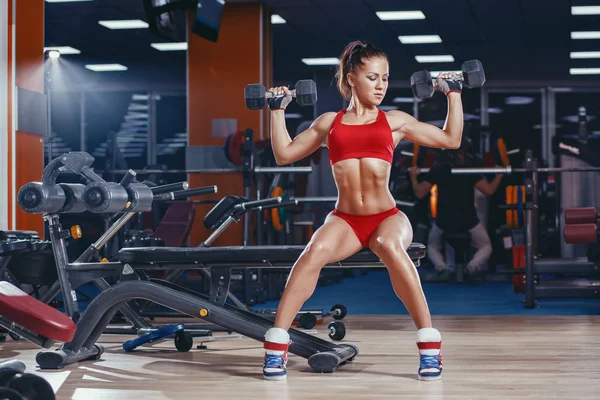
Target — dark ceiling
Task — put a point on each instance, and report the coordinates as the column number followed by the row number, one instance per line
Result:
column 517, row 40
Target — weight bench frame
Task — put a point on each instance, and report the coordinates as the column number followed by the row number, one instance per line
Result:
column 322, row 355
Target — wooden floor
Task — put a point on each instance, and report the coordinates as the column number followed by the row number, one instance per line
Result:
column 484, row 358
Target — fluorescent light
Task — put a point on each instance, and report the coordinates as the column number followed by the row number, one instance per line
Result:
column 471, row 117
column 63, row 49
column 413, row 39
column 585, row 54
column 276, row 19
column 54, row 54
column 518, row 100
column 575, row 118
column 584, row 71
column 585, row 35
column 585, row 10
column 491, row 110
column 170, row 46
column 399, row 15
column 124, row 24
column 321, row 61
column 106, row 67
column 64, row 1
column 434, row 59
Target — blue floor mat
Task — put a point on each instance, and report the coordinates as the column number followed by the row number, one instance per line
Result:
column 373, row 295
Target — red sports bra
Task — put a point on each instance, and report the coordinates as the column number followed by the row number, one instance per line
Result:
column 358, row 141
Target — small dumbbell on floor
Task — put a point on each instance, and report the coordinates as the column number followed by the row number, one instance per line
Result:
column 336, row 330
column 305, row 94
column 309, row 320
column 423, row 85
column 17, row 385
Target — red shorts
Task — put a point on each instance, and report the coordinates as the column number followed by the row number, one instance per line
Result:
column 364, row 225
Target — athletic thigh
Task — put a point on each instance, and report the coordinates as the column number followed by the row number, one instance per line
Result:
column 333, row 241
column 393, row 231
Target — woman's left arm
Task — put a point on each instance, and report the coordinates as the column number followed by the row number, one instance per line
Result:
column 409, row 128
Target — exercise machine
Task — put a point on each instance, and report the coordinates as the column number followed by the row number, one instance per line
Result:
column 322, row 355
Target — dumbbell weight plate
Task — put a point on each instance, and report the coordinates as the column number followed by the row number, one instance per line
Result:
column 236, row 145
column 275, row 216
column 6, row 374
column 501, row 153
column 183, row 341
column 33, row 387
column 255, row 96
column 337, row 330
column 9, row 394
column 306, row 92
column 307, row 321
column 422, row 84
column 473, row 74
column 339, row 311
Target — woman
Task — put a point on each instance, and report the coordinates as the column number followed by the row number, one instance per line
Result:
column 361, row 141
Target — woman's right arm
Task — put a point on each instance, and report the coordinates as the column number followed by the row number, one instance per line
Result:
column 286, row 150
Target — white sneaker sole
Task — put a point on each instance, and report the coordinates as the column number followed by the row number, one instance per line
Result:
column 429, row 378
column 275, row 378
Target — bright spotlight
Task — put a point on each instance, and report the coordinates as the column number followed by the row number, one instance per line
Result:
column 54, row 54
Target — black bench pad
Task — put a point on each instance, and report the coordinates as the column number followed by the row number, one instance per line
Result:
column 241, row 255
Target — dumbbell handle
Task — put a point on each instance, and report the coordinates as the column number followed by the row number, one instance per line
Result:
column 459, row 73
column 435, row 83
column 270, row 95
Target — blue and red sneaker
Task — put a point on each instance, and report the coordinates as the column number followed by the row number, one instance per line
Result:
column 429, row 343
column 276, row 348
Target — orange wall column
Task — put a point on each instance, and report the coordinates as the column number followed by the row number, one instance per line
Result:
column 24, row 155
column 4, row 113
column 217, row 75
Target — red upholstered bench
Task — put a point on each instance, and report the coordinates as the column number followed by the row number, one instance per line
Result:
column 34, row 315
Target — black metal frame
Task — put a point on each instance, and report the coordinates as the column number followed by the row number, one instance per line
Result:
column 533, row 267
column 322, row 355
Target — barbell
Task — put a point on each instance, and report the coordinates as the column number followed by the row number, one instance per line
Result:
column 510, row 170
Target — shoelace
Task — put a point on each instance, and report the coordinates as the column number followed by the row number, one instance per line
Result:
column 429, row 361
column 274, row 361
